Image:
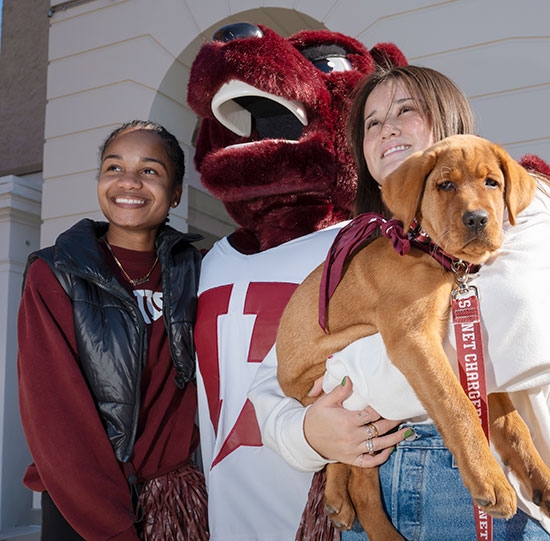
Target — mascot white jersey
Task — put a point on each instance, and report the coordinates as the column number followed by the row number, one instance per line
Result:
column 241, row 298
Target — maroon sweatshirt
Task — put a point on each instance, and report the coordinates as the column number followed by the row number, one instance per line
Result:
column 73, row 458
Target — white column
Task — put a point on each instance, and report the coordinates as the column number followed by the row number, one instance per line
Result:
column 20, row 206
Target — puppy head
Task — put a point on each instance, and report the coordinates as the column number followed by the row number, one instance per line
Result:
column 458, row 189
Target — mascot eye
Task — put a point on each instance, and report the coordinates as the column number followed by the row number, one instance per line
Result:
column 333, row 63
column 328, row 57
column 237, row 31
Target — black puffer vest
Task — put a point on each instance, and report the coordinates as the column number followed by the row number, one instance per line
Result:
column 110, row 330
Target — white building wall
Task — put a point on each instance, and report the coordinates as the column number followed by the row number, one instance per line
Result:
column 114, row 60
column 496, row 52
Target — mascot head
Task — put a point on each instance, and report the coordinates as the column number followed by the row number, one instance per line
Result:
column 272, row 143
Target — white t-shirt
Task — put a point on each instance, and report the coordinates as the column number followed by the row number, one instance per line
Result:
column 253, row 493
column 514, row 289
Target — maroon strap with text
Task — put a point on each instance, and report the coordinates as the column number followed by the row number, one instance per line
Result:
column 471, row 367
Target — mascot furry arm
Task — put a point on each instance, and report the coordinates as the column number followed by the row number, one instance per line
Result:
column 272, row 144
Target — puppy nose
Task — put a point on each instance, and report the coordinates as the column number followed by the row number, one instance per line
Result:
column 475, row 220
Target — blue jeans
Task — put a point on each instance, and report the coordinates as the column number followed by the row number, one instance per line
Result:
column 426, row 500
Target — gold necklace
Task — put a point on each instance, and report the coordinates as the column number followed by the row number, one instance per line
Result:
column 136, row 281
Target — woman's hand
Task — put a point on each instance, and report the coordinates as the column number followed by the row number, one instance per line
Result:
column 358, row 438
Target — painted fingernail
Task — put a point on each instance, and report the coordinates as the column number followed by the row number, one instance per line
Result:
column 409, row 434
column 343, row 381
column 392, row 450
column 310, row 389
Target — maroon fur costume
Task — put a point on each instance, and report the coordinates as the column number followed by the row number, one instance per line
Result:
column 294, row 179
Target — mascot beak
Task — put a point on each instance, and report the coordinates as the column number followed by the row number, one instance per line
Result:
column 236, row 103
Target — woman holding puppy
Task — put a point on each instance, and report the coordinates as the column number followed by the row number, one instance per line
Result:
column 396, row 113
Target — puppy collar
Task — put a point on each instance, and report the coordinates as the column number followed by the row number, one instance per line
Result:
column 359, row 232
column 420, row 239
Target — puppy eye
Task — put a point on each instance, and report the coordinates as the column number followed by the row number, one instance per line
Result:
column 446, row 186
column 491, row 183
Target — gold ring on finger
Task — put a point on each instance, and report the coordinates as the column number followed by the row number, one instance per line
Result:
column 374, row 428
column 372, row 431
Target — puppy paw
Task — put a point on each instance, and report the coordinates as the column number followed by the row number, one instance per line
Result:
column 541, row 494
column 534, row 475
column 341, row 514
column 496, row 497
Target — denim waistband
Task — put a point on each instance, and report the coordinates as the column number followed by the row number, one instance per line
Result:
column 426, row 437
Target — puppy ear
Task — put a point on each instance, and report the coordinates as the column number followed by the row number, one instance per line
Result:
column 403, row 189
column 519, row 187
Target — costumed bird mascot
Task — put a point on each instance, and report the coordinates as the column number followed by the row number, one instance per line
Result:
column 272, row 148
